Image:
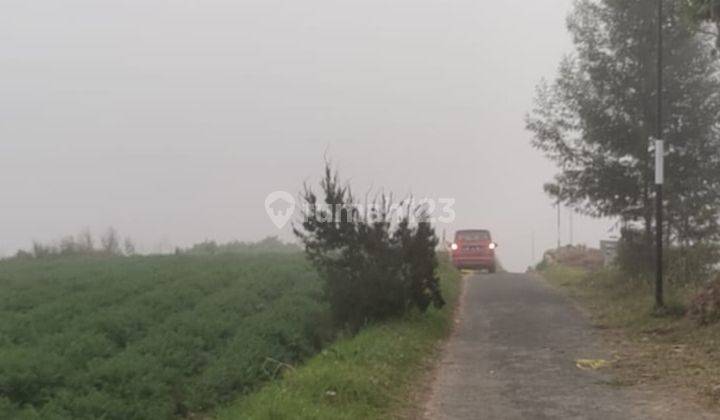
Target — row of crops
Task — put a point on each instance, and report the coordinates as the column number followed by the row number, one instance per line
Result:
column 150, row 337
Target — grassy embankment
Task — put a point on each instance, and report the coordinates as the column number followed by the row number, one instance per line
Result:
column 666, row 350
column 371, row 375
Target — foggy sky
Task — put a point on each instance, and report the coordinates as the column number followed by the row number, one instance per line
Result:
column 173, row 120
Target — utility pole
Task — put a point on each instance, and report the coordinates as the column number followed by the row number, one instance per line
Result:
column 570, row 227
column 659, row 168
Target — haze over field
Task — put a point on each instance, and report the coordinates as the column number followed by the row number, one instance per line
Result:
column 172, row 121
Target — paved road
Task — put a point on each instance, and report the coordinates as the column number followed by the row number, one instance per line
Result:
column 513, row 357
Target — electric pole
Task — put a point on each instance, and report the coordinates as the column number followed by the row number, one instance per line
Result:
column 659, row 167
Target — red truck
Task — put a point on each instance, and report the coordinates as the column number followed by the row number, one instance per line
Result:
column 474, row 249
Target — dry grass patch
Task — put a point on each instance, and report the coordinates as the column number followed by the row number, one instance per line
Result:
column 666, row 350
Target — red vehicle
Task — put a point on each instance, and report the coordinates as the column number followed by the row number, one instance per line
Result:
column 474, row 249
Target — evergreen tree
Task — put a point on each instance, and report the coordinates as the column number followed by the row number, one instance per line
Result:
column 596, row 120
column 375, row 265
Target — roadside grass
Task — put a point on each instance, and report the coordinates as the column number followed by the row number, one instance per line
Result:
column 615, row 301
column 370, row 375
column 661, row 349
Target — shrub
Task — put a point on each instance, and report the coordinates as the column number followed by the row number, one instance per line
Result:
column 684, row 264
column 635, row 254
column 578, row 256
column 374, row 267
column 691, row 264
column 705, row 306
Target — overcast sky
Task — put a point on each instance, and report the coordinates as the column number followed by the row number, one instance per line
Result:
column 173, row 120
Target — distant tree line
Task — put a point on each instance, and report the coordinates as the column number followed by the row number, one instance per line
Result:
column 110, row 244
column 271, row 244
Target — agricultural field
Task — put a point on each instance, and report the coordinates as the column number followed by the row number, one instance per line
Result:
column 156, row 337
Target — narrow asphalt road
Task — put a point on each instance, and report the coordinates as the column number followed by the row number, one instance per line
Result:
column 513, row 356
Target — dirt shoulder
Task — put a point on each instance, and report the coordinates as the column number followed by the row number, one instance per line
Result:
column 651, row 354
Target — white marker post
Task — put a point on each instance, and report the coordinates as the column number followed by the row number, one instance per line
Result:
column 659, row 180
column 659, row 162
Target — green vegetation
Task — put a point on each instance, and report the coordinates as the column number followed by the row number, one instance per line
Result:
column 90, row 332
column 613, row 299
column 367, row 376
column 667, row 348
column 158, row 337
column 81, row 245
column 270, row 244
column 376, row 264
column 596, row 120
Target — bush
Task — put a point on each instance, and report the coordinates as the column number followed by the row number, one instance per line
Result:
column 683, row 264
column 374, row 267
column 705, row 306
column 578, row 256
column 635, row 255
column 691, row 265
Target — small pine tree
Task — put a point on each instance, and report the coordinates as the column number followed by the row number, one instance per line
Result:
column 373, row 268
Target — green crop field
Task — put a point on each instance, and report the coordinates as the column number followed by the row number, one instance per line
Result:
column 150, row 337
